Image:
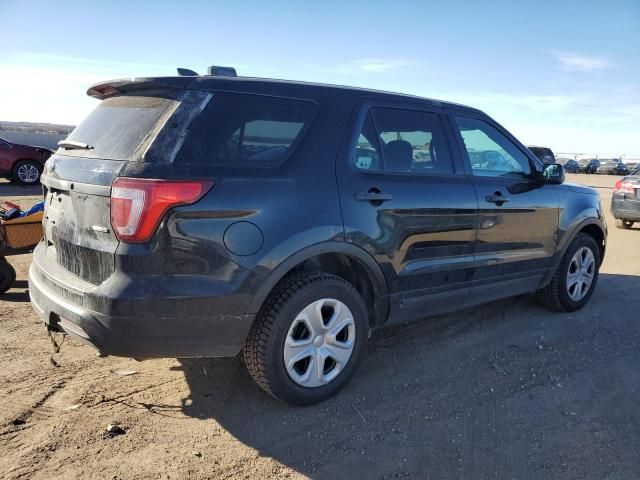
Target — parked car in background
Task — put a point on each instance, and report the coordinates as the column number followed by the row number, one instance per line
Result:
column 622, row 169
column 22, row 163
column 210, row 215
column 625, row 200
column 571, row 166
column 544, row 154
column 612, row 168
column 588, row 165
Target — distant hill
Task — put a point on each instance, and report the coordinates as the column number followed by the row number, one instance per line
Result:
column 30, row 127
column 39, row 134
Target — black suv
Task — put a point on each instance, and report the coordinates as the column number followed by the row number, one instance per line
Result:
column 208, row 215
column 589, row 165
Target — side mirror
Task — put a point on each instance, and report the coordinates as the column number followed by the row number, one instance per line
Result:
column 553, row 174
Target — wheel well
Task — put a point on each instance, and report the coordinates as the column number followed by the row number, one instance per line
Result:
column 598, row 236
column 353, row 271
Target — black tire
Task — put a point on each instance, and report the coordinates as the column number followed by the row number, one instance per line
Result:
column 7, row 275
column 30, row 164
column 263, row 351
column 555, row 295
column 624, row 224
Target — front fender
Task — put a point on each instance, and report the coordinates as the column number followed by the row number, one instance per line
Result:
column 577, row 213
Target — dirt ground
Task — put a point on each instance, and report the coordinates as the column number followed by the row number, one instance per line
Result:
column 507, row 390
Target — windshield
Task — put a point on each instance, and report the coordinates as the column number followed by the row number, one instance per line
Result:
column 118, row 126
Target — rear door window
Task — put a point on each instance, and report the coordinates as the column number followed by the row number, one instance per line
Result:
column 407, row 141
column 246, row 130
column 119, row 125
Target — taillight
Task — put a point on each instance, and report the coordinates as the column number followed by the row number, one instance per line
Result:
column 138, row 204
column 623, row 187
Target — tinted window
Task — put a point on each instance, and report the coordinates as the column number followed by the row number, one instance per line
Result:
column 545, row 155
column 117, row 127
column 408, row 141
column 490, row 152
column 367, row 154
column 246, row 130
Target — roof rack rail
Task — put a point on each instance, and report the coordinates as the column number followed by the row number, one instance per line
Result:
column 221, row 71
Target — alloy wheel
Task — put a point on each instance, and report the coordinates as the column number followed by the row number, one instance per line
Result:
column 28, row 173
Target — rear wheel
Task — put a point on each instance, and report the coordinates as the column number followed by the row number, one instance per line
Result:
column 308, row 338
column 26, row 172
column 575, row 279
column 625, row 224
column 7, row 275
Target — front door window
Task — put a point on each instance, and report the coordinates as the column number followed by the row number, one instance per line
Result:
column 491, row 153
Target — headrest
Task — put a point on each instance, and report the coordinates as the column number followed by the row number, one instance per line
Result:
column 398, row 155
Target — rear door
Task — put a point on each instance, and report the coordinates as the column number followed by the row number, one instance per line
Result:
column 406, row 201
column 518, row 214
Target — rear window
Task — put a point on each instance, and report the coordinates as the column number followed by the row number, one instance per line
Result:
column 246, row 130
column 119, row 125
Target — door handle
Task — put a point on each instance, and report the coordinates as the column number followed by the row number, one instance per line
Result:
column 373, row 196
column 497, row 198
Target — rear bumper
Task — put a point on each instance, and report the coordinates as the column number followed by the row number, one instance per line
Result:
column 167, row 327
column 626, row 209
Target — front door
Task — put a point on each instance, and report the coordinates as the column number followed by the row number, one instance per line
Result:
column 518, row 213
column 406, row 201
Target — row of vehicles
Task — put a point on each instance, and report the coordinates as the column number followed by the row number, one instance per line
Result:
column 625, row 201
column 604, row 167
column 611, row 166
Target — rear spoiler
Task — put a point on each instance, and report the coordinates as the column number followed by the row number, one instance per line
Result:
column 116, row 87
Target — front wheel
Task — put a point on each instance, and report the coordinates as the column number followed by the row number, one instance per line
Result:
column 575, row 279
column 308, row 338
column 27, row 172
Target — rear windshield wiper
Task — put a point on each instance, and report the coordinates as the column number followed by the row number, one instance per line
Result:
column 73, row 145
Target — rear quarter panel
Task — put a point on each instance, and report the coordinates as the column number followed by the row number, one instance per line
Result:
column 253, row 219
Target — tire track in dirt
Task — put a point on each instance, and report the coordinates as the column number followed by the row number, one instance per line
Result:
column 28, row 453
column 480, row 419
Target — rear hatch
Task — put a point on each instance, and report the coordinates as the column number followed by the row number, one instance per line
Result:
column 77, row 179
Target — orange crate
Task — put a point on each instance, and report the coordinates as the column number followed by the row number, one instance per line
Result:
column 22, row 232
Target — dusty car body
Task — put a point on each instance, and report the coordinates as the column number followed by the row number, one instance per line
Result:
column 209, row 215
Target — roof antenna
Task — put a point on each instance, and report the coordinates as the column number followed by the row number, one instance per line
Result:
column 185, row 72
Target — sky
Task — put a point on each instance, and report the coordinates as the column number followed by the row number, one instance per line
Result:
column 563, row 74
